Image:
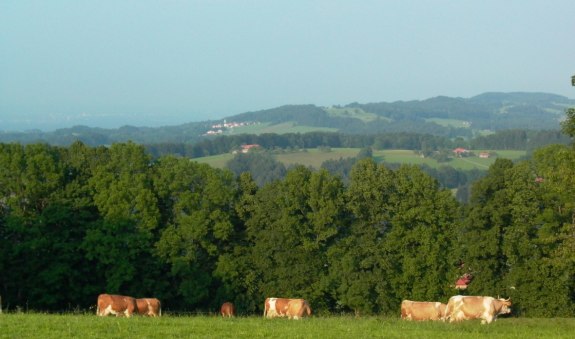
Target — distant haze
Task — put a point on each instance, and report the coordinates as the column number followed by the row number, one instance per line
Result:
column 110, row 63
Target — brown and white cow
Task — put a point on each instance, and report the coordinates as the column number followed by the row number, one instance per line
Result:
column 228, row 310
column 117, row 305
column 285, row 307
column 149, row 306
column 475, row 307
column 422, row 310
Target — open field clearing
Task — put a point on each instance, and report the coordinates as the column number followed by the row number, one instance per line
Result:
column 285, row 127
column 356, row 113
column 450, row 122
column 464, row 163
column 26, row 325
column 315, row 157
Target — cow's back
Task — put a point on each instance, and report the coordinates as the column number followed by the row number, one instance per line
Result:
column 298, row 308
column 405, row 308
column 474, row 307
column 116, row 304
column 276, row 307
column 149, row 306
column 228, row 310
column 422, row 310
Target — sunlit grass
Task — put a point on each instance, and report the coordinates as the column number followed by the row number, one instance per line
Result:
column 37, row 325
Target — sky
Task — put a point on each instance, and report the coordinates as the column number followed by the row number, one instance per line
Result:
column 109, row 63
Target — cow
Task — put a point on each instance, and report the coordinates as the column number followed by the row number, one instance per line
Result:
column 476, row 307
column 284, row 307
column 149, row 306
column 117, row 305
column 228, row 310
column 422, row 310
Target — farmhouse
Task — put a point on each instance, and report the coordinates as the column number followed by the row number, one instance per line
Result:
column 248, row 147
column 460, row 151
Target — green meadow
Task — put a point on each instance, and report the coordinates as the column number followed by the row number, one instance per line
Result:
column 33, row 325
column 450, row 122
column 315, row 157
column 284, row 127
column 356, row 113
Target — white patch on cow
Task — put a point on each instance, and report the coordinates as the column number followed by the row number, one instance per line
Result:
column 487, row 315
column 109, row 310
column 150, row 313
column 272, row 312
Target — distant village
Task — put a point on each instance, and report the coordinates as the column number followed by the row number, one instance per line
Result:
column 217, row 129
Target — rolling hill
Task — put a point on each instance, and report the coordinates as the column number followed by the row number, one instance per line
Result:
column 440, row 116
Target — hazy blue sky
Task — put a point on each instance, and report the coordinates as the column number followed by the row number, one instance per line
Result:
column 147, row 63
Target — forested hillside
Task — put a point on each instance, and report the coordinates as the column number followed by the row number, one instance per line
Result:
column 440, row 116
column 77, row 221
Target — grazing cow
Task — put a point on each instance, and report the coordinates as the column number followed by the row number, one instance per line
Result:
column 117, row 305
column 422, row 310
column 149, row 306
column 228, row 310
column 284, row 307
column 473, row 307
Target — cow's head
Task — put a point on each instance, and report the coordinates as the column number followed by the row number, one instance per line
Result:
column 504, row 305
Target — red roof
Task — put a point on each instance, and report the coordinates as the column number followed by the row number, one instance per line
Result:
column 459, row 150
column 463, row 281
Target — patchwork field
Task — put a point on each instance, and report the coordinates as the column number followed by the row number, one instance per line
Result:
column 315, row 157
column 285, row 127
column 26, row 325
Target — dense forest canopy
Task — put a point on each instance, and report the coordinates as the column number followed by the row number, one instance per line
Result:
column 77, row 221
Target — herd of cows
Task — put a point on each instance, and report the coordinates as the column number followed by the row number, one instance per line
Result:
column 458, row 308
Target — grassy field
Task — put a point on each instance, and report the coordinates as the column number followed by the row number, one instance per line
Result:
column 286, row 127
column 315, row 157
column 356, row 113
column 465, row 163
column 26, row 325
column 450, row 122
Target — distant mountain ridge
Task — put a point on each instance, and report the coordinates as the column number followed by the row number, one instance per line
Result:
column 442, row 116
column 489, row 111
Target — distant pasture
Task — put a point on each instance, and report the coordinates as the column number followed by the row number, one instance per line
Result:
column 315, row 157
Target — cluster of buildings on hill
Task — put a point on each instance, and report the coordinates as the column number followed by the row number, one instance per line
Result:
column 462, row 152
column 220, row 128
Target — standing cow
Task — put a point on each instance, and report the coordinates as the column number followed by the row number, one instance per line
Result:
column 149, row 306
column 422, row 310
column 284, row 307
column 228, row 310
column 117, row 305
column 475, row 307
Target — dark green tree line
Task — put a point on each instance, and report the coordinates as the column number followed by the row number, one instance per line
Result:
column 78, row 221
